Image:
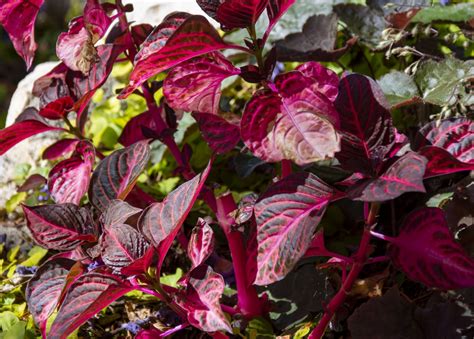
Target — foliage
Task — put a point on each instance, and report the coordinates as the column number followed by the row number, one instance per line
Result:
column 216, row 148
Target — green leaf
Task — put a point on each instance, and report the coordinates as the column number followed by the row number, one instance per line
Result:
column 259, row 328
column 454, row 13
column 12, row 253
column 14, row 201
column 17, row 331
column 172, row 279
column 441, row 82
column 34, row 256
column 399, row 88
column 8, row 320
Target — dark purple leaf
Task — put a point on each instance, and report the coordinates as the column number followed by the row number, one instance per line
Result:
column 205, row 288
column 234, row 13
column 221, row 135
column 121, row 245
column 34, row 181
column 60, row 227
column 296, row 123
column 201, row 243
column 118, row 212
column 287, row 216
column 140, row 127
column 366, row 124
column 87, row 296
column 18, row 18
column 116, row 175
column 316, row 42
column 20, row 131
column 441, row 162
column 455, row 135
column 140, row 33
column 59, row 148
column 161, row 222
column 427, row 252
column 69, row 180
column 194, row 37
column 195, row 85
column 44, row 289
column 405, row 175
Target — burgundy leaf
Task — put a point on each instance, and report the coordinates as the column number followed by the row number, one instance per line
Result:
column 366, row 124
column 69, row 180
column 20, row 131
column 60, row 227
column 441, row 162
column 221, row 135
column 59, row 148
column 201, row 243
column 427, row 252
column 34, row 181
column 240, row 14
column 287, row 216
column 58, row 109
column 121, row 245
column 194, row 37
column 161, row 222
column 205, row 288
column 140, row 127
column 18, row 18
column 117, row 212
column 88, row 295
column 275, row 10
column 405, row 175
column 210, row 7
column 297, row 123
column 140, row 33
column 116, row 175
column 455, row 135
column 44, row 289
column 195, row 85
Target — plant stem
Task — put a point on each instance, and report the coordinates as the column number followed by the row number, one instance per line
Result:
column 382, row 236
column 258, row 50
column 360, row 259
column 285, row 168
column 248, row 301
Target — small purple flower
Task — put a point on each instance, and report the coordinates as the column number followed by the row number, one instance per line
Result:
column 132, row 327
column 93, row 265
column 25, row 270
column 444, row 2
column 279, row 68
column 44, row 189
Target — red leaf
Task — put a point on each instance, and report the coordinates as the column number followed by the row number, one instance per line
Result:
column 193, row 38
column 161, row 222
column 275, row 10
column 366, row 124
column 441, row 162
column 59, row 148
column 44, row 289
column 325, row 80
column 58, row 109
column 195, row 85
column 121, row 245
column 142, row 127
column 118, row 212
column 455, row 135
column 69, row 180
column 60, row 227
column 405, row 175
column 87, row 296
column 221, row 135
column 116, row 175
column 427, row 252
column 20, row 131
column 96, row 19
column 240, row 14
column 201, row 243
column 295, row 123
column 287, row 216
column 205, row 288
column 18, row 19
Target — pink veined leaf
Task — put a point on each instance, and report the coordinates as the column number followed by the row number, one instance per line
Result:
column 44, row 289
column 405, row 175
column 69, row 180
column 118, row 212
column 116, row 175
column 87, row 296
column 221, row 135
column 195, row 85
column 455, row 135
column 96, row 19
column 201, row 243
column 140, row 32
column 161, row 222
column 194, row 37
column 296, row 123
column 287, row 216
column 327, row 82
column 275, row 10
column 234, row 13
column 366, row 125
column 205, row 288
column 441, row 162
column 141, row 127
column 59, row 148
column 58, row 109
column 121, row 245
column 427, row 252
column 22, row 130
column 60, row 227
column 18, row 18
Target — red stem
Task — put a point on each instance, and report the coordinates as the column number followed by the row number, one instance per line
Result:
column 360, row 259
column 248, row 301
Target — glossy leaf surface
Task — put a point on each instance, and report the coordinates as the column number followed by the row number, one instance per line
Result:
column 221, row 135
column 59, row 148
column 201, row 243
column 141, row 127
column 442, row 162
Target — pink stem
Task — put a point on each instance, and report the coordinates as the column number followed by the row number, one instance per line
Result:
column 360, row 259
column 383, row 236
column 169, row 332
column 230, row 310
column 248, row 301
